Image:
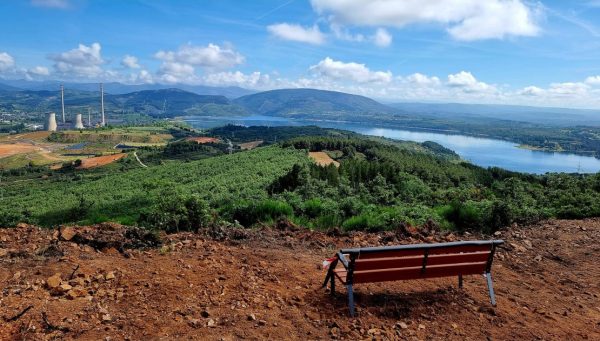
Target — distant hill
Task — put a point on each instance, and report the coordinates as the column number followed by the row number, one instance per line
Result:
column 158, row 103
column 303, row 102
column 5, row 87
column 539, row 115
column 173, row 101
column 117, row 88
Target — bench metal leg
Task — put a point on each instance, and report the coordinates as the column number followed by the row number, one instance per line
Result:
column 460, row 281
column 488, row 277
column 351, row 300
column 332, row 286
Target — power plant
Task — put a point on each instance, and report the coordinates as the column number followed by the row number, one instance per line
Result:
column 50, row 122
column 102, row 122
column 78, row 122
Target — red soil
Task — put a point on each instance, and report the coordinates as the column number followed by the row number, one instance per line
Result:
column 202, row 140
column 265, row 284
column 99, row 161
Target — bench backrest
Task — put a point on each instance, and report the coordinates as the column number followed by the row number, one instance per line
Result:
column 378, row 264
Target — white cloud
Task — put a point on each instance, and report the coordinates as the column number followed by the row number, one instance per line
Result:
column 143, row 76
column 180, row 66
column 293, row 32
column 382, row 38
column 84, row 61
column 174, row 72
column 466, row 81
column 350, row 71
column 211, row 56
column 6, row 61
column 592, row 80
column 39, row 71
column 568, row 88
column 531, row 91
column 464, row 19
column 51, row 3
column 342, row 33
column 130, row 62
column 419, row 79
column 253, row 80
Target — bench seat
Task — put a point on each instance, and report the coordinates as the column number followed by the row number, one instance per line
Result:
column 408, row 262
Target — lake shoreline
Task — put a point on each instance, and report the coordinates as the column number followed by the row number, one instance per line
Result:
column 480, row 150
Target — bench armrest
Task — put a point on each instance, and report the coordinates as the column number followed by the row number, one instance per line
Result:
column 342, row 259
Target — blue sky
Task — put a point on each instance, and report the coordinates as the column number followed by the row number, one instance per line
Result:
column 473, row 51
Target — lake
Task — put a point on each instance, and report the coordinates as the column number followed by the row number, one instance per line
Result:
column 480, row 151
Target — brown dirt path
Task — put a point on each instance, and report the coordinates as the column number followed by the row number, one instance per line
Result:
column 265, row 284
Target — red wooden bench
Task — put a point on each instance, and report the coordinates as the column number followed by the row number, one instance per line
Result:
column 417, row 261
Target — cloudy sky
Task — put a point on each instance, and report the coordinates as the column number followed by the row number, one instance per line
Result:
column 472, row 51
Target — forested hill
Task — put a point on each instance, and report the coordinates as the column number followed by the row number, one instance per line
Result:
column 158, row 103
column 299, row 102
column 165, row 102
column 360, row 183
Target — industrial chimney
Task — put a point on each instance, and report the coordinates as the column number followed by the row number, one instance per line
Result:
column 50, row 122
column 62, row 102
column 78, row 122
column 103, row 121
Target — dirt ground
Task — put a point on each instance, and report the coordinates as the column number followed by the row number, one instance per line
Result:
column 9, row 149
column 202, row 140
column 322, row 159
column 106, row 282
column 250, row 145
column 99, row 161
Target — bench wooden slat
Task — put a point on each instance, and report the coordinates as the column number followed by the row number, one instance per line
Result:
column 417, row 252
column 413, row 261
column 341, row 275
column 417, row 273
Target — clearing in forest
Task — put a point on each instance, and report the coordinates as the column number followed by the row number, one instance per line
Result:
column 100, row 160
column 250, row 145
column 202, row 140
column 323, row 159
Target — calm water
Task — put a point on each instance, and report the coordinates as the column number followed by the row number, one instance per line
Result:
column 480, row 151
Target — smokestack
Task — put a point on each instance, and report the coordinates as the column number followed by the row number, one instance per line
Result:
column 50, row 122
column 78, row 122
column 89, row 117
column 62, row 101
column 103, row 122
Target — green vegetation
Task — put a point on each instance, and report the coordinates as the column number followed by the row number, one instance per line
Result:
column 380, row 184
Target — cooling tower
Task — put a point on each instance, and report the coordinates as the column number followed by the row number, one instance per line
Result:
column 51, row 122
column 78, row 122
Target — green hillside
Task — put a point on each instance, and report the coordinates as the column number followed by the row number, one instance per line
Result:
column 300, row 102
column 380, row 184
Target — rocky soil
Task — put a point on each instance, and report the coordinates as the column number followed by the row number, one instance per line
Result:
column 107, row 282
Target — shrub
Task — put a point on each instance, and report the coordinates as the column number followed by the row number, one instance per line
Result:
column 263, row 211
column 174, row 213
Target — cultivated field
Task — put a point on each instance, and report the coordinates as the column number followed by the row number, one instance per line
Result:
column 323, row 159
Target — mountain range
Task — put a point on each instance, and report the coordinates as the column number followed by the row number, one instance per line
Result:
column 294, row 103
column 117, row 88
